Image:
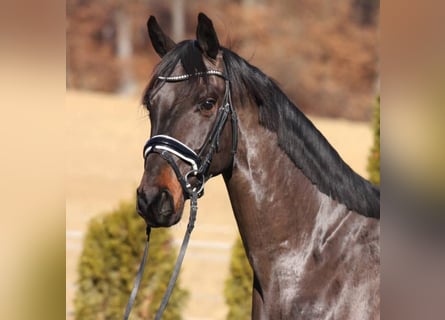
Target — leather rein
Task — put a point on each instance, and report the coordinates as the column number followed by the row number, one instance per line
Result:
column 193, row 181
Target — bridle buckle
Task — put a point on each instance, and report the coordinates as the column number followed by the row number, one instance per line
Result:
column 195, row 181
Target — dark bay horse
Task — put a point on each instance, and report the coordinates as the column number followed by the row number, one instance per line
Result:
column 309, row 223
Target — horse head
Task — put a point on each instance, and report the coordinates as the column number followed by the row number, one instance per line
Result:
column 188, row 100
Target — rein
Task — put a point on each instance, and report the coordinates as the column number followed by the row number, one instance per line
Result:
column 175, row 273
column 192, row 182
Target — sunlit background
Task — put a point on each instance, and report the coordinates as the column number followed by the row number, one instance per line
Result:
column 324, row 54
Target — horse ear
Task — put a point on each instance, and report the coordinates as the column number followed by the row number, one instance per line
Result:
column 206, row 35
column 160, row 41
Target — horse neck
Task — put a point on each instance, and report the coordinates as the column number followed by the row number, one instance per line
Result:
column 276, row 206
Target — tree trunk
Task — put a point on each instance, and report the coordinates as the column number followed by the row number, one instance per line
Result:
column 124, row 51
column 178, row 20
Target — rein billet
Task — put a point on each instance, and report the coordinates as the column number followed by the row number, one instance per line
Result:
column 168, row 148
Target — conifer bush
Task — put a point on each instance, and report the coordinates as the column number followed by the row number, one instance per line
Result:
column 238, row 287
column 374, row 156
column 112, row 251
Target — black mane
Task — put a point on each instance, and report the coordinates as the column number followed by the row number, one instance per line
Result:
column 300, row 139
column 297, row 136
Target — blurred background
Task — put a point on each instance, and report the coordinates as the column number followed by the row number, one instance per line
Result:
column 323, row 54
column 47, row 132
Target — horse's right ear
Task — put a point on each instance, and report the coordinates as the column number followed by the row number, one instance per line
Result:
column 160, row 41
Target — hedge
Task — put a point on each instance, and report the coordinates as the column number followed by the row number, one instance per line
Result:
column 374, row 155
column 112, row 250
column 238, row 287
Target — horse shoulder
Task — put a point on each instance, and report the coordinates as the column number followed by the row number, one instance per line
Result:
column 340, row 277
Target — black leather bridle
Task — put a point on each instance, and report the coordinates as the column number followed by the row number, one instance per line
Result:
column 170, row 148
column 193, row 181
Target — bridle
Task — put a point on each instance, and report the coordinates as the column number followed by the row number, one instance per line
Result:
column 193, row 181
column 169, row 148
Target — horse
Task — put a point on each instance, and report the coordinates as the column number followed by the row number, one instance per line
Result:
column 308, row 222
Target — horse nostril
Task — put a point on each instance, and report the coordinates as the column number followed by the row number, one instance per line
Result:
column 165, row 195
column 155, row 206
column 141, row 202
column 165, row 203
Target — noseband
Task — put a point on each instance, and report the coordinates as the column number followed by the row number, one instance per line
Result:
column 169, row 148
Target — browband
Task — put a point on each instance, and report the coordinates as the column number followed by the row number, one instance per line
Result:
column 184, row 77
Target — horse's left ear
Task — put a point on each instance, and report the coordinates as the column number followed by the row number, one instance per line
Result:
column 206, row 36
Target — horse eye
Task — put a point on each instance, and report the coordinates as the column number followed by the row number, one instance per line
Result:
column 208, row 104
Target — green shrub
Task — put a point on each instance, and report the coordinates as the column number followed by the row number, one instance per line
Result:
column 238, row 287
column 112, row 250
column 374, row 156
